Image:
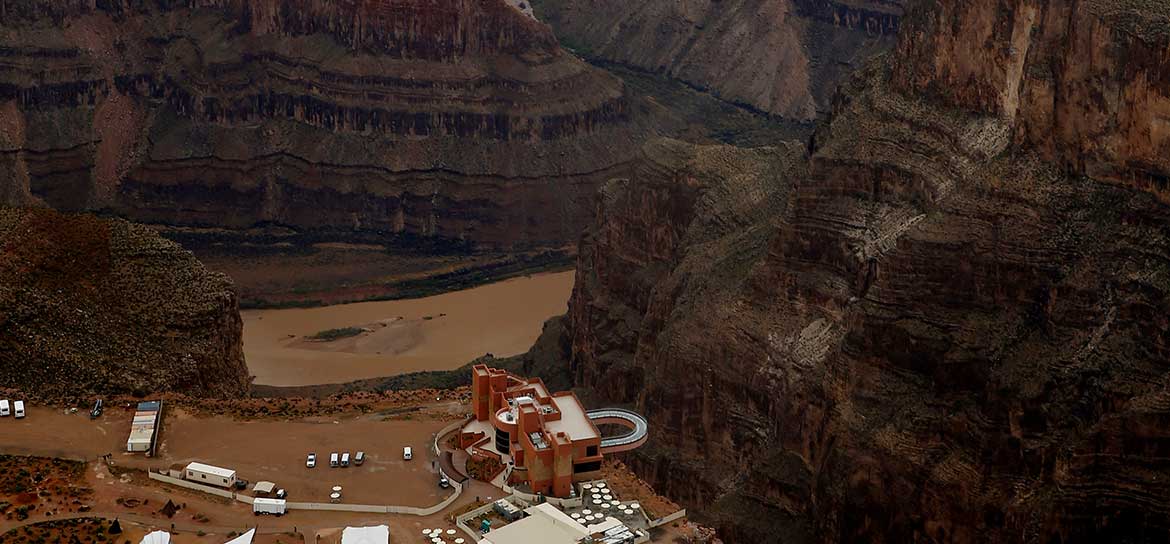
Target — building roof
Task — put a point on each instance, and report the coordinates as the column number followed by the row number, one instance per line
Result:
column 264, row 487
column 573, row 422
column 215, row 471
column 379, row 534
column 545, row 524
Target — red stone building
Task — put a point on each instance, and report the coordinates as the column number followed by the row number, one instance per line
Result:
column 549, row 437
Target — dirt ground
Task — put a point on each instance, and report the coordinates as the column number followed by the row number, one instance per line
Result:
column 260, row 449
column 442, row 332
column 276, row 450
column 629, row 486
column 123, row 491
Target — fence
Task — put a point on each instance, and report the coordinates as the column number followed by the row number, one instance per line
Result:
column 453, row 426
column 532, row 498
column 667, row 519
column 461, row 520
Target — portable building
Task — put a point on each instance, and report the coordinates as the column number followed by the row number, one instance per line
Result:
column 275, row 507
column 140, row 439
column 207, row 474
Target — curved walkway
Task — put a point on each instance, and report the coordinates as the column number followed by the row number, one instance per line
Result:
column 639, row 428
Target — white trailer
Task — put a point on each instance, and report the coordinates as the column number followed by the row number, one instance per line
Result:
column 207, row 474
column 274, row 507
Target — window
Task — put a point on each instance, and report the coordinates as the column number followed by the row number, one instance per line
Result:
column 590, row 451
column 587, row 467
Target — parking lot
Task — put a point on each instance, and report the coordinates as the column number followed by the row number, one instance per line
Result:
column 276, row 450
column 266, row 449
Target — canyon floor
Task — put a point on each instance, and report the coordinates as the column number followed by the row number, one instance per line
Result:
column 441, row 332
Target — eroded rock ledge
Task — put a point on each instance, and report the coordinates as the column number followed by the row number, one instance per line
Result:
column 455, row 119
column 951, row 324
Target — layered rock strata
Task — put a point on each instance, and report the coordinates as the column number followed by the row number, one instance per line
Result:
column 953, row 327
column 451, row 120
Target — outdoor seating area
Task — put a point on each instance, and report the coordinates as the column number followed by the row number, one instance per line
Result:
column 600, row 501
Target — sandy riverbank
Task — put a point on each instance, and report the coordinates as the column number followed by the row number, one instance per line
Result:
column 442, row 332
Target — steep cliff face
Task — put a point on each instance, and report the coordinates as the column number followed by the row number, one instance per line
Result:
column 954, row 327
column 450, row 120
column 1088, row 83
column 105, row 306
column 783, row 57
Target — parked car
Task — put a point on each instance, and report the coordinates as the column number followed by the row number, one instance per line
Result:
column 443, row 482
column 281, row 494
column 345, row 459
column 5, row 409
column 407, row 454
column 97, row 409
column 311, row 461
column 359, row 458
column 333, row 462
column 241, row 484
column 18, row 409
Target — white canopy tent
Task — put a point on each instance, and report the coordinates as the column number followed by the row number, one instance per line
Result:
column 378, row 534
column 157, row 537
column 245, row 538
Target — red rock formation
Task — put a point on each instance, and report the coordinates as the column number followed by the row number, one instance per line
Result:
column 1087, row 83
column 104, row 306
column 456, row 120
column 954, row 327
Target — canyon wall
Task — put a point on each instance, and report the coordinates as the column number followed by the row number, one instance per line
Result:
column 947, row 323
column 456, row 120
column 781, row 57
column 105, row 306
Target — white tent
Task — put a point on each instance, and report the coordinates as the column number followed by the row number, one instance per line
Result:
column 157, row 537
column 379, row 534
column 245, row 538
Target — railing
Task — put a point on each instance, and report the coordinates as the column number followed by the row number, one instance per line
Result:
column 667, row 519
column 639, row 428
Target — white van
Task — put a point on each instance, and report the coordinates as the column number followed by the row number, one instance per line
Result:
column 406, row 453
column 5, row 410
column 333, row 459
column 345, row 459
column 275, row 507
column 18, row 407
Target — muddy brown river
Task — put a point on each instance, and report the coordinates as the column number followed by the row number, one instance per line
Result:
column 442, row 332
